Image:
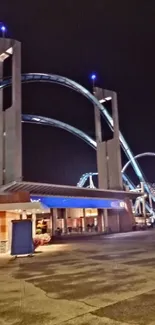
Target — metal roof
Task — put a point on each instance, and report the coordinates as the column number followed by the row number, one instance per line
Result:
column 65, row 191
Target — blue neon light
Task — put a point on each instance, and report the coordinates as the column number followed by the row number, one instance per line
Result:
column 93, row 76
column 3, row 28
column 63, row 202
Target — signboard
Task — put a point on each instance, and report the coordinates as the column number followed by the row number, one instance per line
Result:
column 22, row 242
column 91, row 212
column 78, row 202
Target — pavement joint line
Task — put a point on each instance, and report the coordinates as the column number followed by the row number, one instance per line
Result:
column 76, row 300
column 84, row 314
column 95, row 308
column 123, row 300
column 73, row 318
column 111, row 304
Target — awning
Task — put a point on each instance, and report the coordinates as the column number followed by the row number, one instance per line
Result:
column 66, row 191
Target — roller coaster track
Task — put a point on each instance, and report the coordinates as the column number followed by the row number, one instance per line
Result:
column 43, row 77
column 41, row 120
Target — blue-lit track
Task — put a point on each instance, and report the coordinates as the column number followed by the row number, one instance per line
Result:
column 41, row 120
column 42, row 77
column 85, row 176
column 144, row 154
column 36, row 119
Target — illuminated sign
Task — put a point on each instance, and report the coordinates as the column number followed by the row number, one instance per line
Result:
column 77, row 202
column 36, row 200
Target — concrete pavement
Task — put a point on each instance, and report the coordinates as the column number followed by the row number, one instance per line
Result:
column 100, row 280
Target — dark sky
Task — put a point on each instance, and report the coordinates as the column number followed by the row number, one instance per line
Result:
column 116, row 39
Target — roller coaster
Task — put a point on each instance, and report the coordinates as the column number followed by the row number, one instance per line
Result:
column 52, row 78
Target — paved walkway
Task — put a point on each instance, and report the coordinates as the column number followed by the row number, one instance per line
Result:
column 105, row 280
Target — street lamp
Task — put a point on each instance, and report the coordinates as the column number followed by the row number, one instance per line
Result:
column 93, row 78
column 3, row 29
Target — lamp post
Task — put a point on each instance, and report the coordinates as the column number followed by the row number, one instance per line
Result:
column 3, row 29
column 93, row 78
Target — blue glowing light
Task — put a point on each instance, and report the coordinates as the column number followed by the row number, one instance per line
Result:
column 93, row 76
column 3, row 29
column 77, row 202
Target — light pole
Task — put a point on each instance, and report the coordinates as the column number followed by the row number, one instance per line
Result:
column 3, row 30
column 93, row 78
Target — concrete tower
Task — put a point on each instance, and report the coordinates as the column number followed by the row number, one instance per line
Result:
column 10, row 119
column 108, row 152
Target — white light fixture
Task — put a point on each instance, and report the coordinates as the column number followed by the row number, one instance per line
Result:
column 103, row 100
column 10, row 50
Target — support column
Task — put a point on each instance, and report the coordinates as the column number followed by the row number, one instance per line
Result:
column 116, row 137
column 105, row 219
column 50, row 223
column 24, row 215
column 54, row 218
column 150, row 202
column 10, row 120
column 108, row 152
column 62, row 226
column 143, row 200
column 33, row 224
column 98, row 129
column 1, row 125
column 102, row 164
column 102, row 221
column 84, row 220
column 3, row 233
column 114, row 173
column 118, row 222
column 13, row 143
column 65, row 220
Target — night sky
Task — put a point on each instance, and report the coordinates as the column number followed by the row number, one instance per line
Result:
column 115, row 39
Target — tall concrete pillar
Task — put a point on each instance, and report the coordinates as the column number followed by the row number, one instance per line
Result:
column 114, row 165
column 54, row 219
column 108, row 152
column 84, row 220
column 102, row 221
column 33, row 224
column 11, row 155
column 101, row 145
column 13, row 143
column 105, row 219
column 50, row 223
column 102, row 165
column 116, row 143
column 1, row 125
column 65, row 220
column 101, row 224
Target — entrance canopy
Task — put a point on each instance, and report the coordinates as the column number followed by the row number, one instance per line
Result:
column 44, row 189
column 60, row 196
